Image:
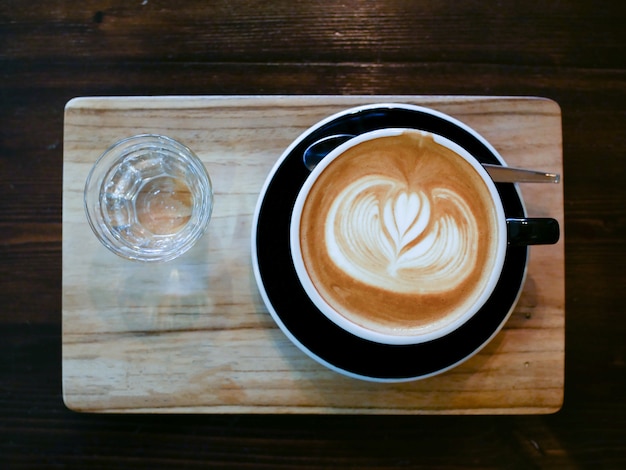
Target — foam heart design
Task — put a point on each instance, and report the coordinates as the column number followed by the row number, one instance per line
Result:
column 385, row 235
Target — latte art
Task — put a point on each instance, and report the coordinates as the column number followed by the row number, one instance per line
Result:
column 388, row 237
column 397, row 234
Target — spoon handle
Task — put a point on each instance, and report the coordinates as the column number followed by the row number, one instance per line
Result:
column 506, row 174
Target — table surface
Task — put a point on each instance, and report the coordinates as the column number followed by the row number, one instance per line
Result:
column 571, row 52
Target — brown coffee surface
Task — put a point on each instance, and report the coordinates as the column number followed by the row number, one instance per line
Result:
column 399, row 233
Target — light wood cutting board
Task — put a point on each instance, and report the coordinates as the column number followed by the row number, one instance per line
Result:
column 194, row 336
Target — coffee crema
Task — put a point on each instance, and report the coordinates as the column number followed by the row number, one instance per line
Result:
column 399, row 234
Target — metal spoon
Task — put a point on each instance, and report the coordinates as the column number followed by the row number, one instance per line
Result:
column 500, row 174
column 319, row 149
column 507, row 174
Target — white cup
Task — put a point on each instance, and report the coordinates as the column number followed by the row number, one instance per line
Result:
column 388, row 334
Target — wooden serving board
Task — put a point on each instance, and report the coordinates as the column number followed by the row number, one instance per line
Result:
column 193, row 335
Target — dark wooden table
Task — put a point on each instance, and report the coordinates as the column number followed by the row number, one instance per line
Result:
column 573, row 52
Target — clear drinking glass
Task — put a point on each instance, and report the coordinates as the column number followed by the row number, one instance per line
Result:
column 148, row 198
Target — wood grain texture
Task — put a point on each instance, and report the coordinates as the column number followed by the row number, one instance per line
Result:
column 318, row 31
column 194, row 336
column 571, row 51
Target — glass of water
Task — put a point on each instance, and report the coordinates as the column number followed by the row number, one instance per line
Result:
column 148, row 198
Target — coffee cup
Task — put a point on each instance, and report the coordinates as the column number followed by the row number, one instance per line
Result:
column 399, row 236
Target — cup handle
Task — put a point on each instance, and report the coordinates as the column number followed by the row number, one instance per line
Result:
column 532, row 231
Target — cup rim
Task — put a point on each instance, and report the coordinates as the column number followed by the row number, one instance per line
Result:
column 432, row 331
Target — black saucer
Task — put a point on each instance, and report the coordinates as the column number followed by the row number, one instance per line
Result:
column 306, row 326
